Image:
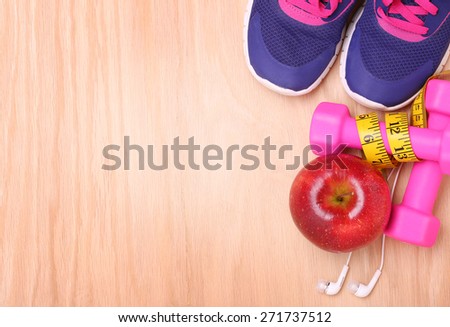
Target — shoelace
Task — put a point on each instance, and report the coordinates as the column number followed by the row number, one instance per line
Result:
column 411, row 22
column 317, row 8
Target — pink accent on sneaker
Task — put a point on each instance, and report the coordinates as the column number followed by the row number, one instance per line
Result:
column 411, row 28
column 312, row 12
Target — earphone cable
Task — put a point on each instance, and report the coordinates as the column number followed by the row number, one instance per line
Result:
column 394, row 185
column 348, row 258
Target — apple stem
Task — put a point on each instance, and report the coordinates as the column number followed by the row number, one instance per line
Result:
column 340, row 198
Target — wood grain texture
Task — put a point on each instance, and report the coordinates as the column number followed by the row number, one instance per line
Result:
column 78, row 75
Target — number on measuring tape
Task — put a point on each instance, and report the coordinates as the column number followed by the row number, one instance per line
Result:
column 372, row 141
column 397, row 131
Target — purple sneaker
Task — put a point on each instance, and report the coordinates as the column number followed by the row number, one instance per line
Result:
column 290, row 45
column 392, row 48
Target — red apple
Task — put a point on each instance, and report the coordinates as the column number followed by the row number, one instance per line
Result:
column 340, row 208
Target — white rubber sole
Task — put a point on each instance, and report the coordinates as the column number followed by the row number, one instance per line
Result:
column 359, row 98
column 271, row 85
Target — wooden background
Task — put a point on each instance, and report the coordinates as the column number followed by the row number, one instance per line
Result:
column 78, row 75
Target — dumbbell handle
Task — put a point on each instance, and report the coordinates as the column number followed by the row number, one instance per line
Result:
column 423, row 186
column 426, row 143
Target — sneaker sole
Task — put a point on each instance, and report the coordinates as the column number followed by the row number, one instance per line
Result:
column 359, row 98
column 271, row 85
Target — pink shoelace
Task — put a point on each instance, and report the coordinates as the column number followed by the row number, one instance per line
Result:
column 411, row 22
column 317, row 8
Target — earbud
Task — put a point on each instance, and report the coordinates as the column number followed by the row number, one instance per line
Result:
column 361, row 290
column 333, row 288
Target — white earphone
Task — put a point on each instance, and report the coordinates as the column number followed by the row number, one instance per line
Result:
column 358, row 289
column 333, row 288
column 362, row 290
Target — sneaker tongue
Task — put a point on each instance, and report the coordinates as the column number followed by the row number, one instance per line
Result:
column 326, row 3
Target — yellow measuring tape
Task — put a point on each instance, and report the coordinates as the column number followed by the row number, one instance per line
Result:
column 418, row 112
column 397, row 131
column 372, row 141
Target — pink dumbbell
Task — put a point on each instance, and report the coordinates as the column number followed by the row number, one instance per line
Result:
column 413, row 220
column 331, row 119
